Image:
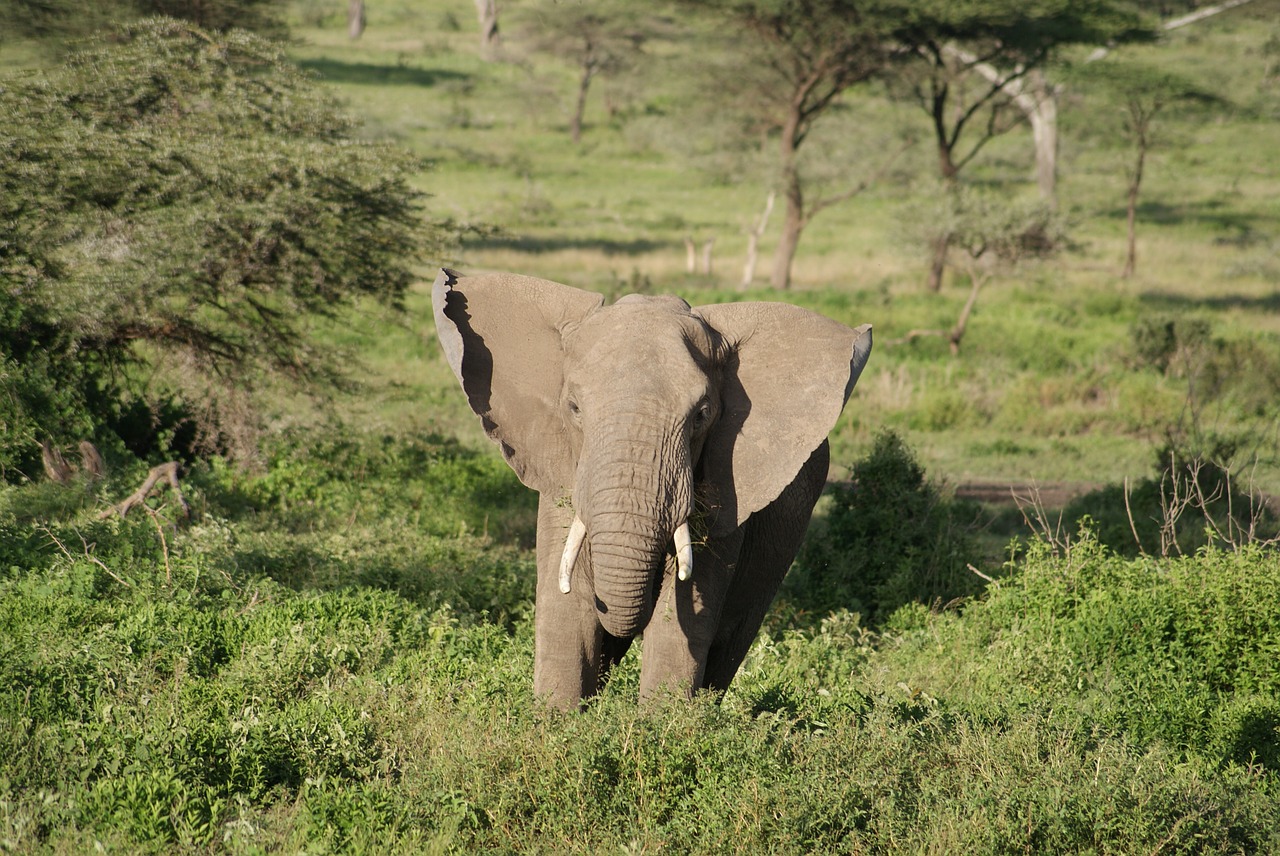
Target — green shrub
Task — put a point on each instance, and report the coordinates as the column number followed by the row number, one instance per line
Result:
column 157, row 700
column 888, row 538
column 1177, row 653
column 185, row 201
column 1159, row 340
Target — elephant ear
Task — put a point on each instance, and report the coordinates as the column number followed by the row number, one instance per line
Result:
column 502, row 335
column 787, row 375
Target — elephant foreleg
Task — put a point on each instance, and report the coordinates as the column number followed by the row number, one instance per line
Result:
column 680, row 634
column 571, row 652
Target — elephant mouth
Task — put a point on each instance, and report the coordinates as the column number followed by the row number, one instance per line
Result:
column 681, row 540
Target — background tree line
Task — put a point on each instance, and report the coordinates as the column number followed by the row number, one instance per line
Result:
column 182, row 205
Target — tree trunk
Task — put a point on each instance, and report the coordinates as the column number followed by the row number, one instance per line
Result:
column 753, row 242
column 580, row 106
column 938, row 264
column 487, row 12
column 793, row 220
column 1135, row 183
column 1043, row 117
column 946, row 164
column 707, row 247
column 962, row 323
column 690, row 255
column 355, row 19
column 784, row 255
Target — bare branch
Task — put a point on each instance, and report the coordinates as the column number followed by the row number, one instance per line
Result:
column 1129, row 512
column 88, row 554
column 825, row 202
column 167, row 471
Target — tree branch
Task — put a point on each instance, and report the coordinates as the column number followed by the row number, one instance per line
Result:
column 167, row 471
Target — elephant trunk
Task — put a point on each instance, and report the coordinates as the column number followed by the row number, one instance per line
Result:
column 632, row 512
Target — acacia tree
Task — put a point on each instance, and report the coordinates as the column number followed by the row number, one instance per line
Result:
column 1139, row 94
column 600, row 39
column 189, row 203
column 994, row 236
column 799, row 57
column 58, row 22
column 975, row 68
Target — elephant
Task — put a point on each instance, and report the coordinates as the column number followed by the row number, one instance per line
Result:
column 677, row 452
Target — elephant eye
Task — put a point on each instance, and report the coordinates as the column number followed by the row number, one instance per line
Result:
column 573, row 409
column 702, row 414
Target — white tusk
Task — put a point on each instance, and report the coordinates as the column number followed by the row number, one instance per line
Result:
column 684, row 551
column 572, row 545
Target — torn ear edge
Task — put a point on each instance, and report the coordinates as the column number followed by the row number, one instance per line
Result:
column 502, row 336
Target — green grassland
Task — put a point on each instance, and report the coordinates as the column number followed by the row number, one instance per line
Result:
column 333, row 654
column 1049, row 387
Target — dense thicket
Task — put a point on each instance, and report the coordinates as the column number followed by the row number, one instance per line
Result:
column 186, row 202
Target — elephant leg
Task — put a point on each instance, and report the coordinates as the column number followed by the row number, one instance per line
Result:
column 569, row 643
column 771, row 539
column 683, row 627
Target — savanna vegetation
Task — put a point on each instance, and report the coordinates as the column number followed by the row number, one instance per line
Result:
column 216, row 250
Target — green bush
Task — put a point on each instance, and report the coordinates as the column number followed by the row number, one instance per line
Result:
column 1177, row 653
column 887, row 539
column 191, row 203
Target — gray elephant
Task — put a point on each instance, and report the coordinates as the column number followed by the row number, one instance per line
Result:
column 678, row 453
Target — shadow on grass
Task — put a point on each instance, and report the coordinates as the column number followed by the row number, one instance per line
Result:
column 1215, row 213
column 370, row 74
column 1162, row 300
column 535, row 245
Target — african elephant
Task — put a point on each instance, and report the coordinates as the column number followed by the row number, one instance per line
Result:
column 677, row 452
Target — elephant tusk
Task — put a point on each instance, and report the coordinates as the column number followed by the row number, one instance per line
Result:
column 572, row 545
column 684, row 552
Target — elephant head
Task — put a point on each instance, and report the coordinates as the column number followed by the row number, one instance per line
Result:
column 659, row 423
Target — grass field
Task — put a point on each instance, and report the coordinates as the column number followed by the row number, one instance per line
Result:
column 334, row 653
column 1049, row 388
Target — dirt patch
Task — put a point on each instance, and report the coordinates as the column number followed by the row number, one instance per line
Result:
column 1048, row 494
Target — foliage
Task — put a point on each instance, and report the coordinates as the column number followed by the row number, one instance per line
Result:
column 888, row 539
column 945, row 43
column 980, row 224
column 63, row 21
column 1172, row 651
column 990, row 231
column 265, row 17
column 188, row 202
column 165, row 690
